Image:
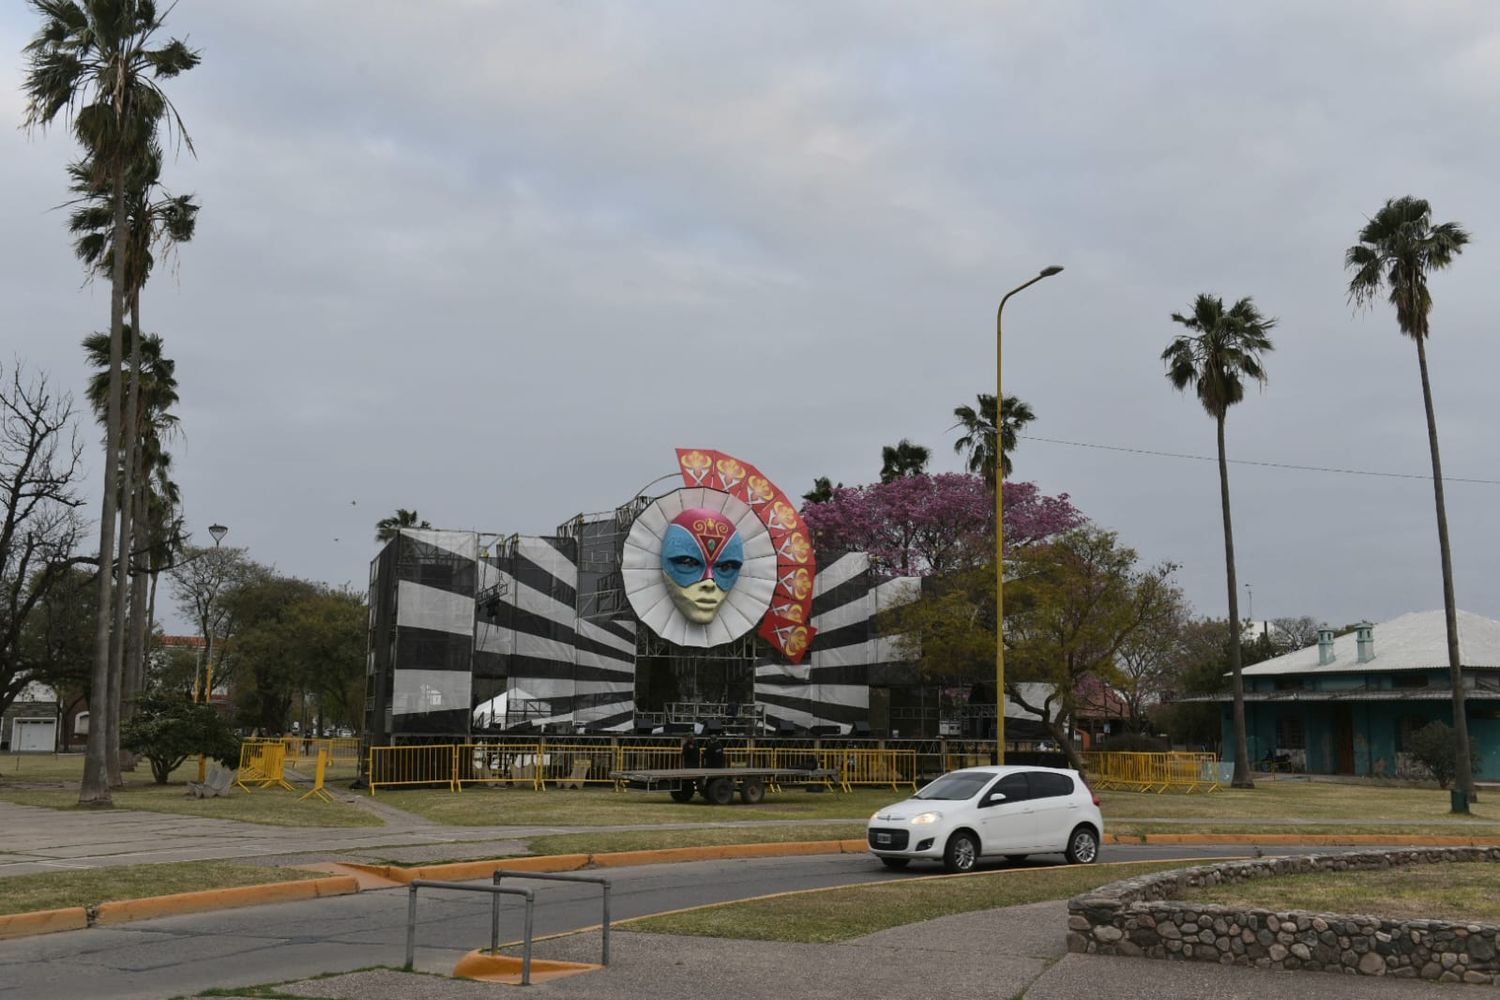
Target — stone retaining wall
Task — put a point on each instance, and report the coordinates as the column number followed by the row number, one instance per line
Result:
column 1143, row 916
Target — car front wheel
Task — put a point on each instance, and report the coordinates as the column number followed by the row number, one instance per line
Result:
column 1083, row 846
column 962, row 853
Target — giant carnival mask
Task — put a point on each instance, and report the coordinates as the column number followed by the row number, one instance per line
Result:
column 725, row 555
column 701, row 557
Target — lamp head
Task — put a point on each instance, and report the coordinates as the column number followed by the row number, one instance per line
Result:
column 1048, row 272
column 218, row 531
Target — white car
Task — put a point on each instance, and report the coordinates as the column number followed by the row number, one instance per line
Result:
column 991, row 811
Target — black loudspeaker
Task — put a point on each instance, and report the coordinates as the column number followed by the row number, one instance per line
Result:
column 824, row 731
column 860, row 730
column 678, row 728
column 644, row 728
column 785, row 727
column 712, row 727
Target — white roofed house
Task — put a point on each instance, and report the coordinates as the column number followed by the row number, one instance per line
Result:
column 1348, row 704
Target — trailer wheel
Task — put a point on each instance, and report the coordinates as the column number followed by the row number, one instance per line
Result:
column 752, row 791
column 683, row 793
column 720, row 791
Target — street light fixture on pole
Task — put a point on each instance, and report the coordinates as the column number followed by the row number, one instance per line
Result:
column 1046, row 272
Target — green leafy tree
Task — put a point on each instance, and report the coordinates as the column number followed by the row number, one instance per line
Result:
column 1223, row 352
column 1435, row 747
column 903, row 459
column 977, row 443
column 387, row 527
column 1071, row 607
column 1397, row 249
column 167, row 731
column 96, row 63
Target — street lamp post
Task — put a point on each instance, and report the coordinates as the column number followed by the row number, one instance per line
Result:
column 1046, row 272
column 218, row 531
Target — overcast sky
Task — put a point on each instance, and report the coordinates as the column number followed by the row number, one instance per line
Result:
column 496, row 260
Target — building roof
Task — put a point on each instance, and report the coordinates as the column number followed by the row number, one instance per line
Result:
column 1417, row 640
column 1445, row 694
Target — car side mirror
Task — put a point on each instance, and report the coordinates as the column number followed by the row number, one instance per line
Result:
column 995, row 798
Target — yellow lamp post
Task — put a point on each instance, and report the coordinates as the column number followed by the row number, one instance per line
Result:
column 218, row 531
column 1046, row 272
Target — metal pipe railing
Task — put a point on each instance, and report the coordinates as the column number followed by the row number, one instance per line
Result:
column 554, row 877
column 495, row 892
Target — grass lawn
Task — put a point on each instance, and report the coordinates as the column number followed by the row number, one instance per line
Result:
column 825, row 916
column 1464, row 891
column 51, row 781
column 1306, row 800
column 650, row 840
column 603, row 807
column 92, row 886
column 1129, row 828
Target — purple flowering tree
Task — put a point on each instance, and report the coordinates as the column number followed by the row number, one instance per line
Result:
column 932, row 525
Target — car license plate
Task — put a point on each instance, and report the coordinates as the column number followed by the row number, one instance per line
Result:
column 882, row 838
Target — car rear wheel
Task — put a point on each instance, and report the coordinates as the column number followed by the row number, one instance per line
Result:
column 962, row 852
column 1083, row 846
column 895, row 862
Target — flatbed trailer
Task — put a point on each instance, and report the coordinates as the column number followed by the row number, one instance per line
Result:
column 720, row 784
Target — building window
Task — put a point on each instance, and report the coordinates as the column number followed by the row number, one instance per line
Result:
column 1290, row 734
column 1409, row 680
column 1289, row 684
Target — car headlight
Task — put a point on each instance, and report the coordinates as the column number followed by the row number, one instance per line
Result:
column 922, row 819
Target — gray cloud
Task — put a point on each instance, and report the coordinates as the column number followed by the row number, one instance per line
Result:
column 496, row 260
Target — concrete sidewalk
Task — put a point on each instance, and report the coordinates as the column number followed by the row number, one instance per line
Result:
column 1014, row 952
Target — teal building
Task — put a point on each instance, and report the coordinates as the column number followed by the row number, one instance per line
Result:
column 1348, row 704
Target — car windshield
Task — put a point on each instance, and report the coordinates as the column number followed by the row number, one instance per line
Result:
column 953, row 787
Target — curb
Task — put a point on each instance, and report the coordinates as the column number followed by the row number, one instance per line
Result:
column 14, row 925
column 124, row 911
column 469, row 870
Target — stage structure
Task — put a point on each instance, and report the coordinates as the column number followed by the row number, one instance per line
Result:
column 703, row 604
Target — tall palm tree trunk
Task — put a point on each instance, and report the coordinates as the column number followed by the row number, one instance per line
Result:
column 135, row 660
column 129, row 443
column 1242, row 778
column 94, row 789
column 1463, row 771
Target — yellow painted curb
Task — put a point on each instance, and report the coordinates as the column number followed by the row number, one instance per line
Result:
column 126, row 910
column 463, row 871
column 14, row 925
column 481, row 965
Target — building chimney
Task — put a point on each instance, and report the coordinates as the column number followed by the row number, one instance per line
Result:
column 1364, row 641
column 1325, row 645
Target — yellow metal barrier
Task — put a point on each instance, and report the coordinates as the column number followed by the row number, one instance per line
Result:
column 1153, row 772
column 414, row 765
column 318, row 788
column 263, row 765
column 518, row 764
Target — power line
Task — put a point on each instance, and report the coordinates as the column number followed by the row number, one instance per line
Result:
column 1264, row 465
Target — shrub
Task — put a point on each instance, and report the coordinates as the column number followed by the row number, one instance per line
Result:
column 168, row 731
column 1434, row 747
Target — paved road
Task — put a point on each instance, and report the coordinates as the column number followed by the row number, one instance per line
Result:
column 177, row 955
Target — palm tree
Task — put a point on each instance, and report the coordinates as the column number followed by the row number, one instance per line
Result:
column 1398, row 247
column 94, row 63
column 902, row 459
column 822, row 490
column 164, row 224
column 978, row 441
column 1225, row 352
column 155, row 388
column 387, row 527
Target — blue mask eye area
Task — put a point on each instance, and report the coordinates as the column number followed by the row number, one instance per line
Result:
column 682, row 559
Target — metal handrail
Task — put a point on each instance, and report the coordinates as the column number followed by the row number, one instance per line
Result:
column 553, row 877
column 495, row 892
